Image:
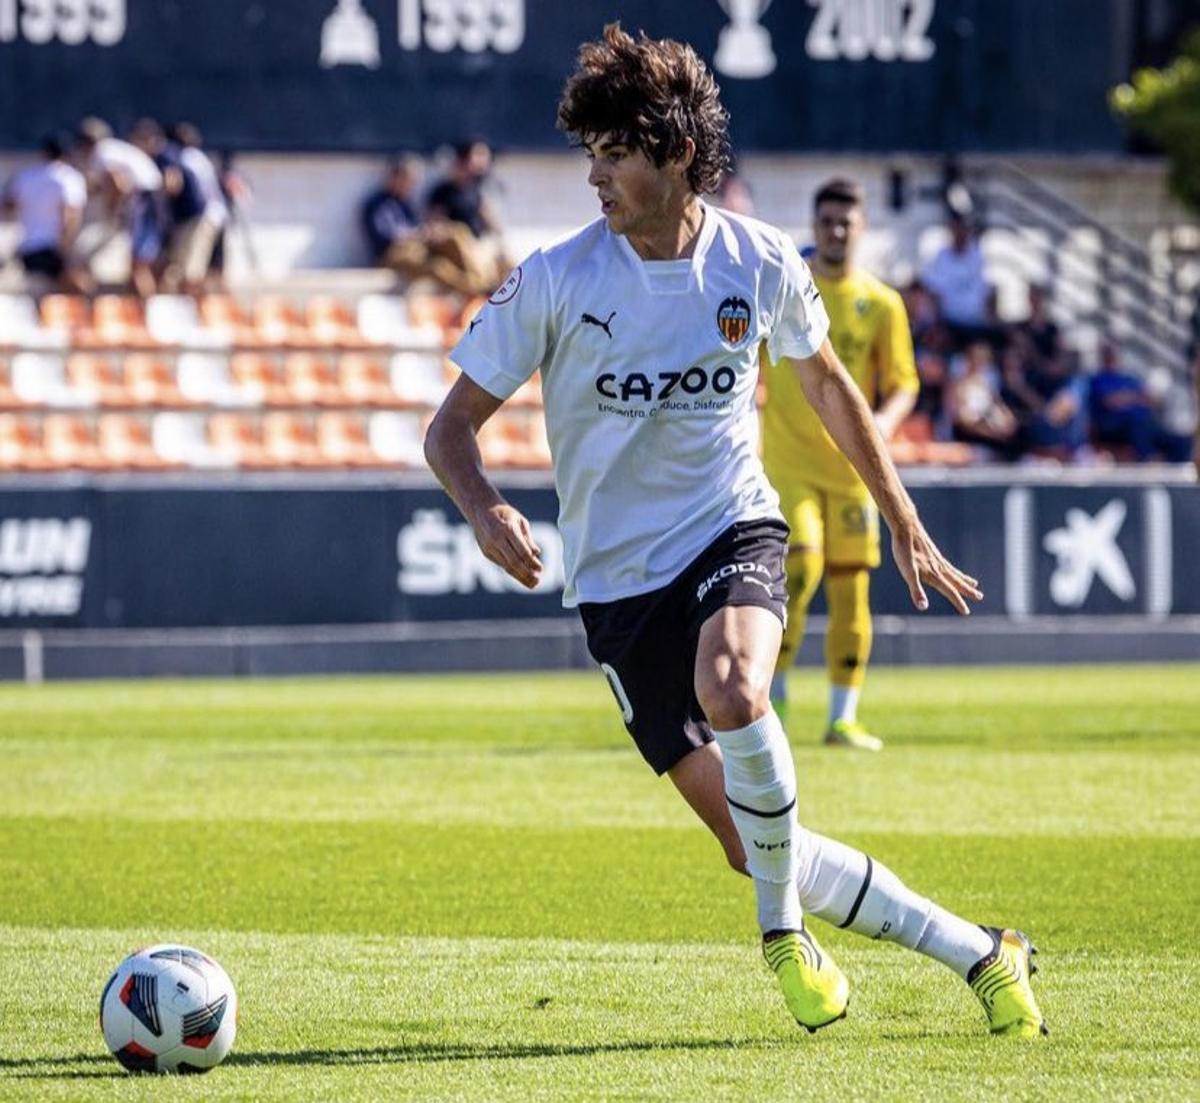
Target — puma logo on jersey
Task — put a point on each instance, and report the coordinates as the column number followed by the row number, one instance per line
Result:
column 474, row 323
column 592, row 320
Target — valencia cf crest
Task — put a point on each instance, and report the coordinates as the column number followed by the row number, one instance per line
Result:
column 733, row 319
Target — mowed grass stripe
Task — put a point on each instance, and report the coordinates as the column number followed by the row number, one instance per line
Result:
column 948, row 790
column 364, row 1018
column 589, row 883
column 1089, row 708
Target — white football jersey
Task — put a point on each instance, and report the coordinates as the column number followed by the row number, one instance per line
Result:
column 649, row 371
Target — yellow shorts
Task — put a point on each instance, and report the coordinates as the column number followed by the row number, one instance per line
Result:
column 843, row 526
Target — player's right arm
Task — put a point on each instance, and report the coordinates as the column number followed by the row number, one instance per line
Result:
column 452, row 452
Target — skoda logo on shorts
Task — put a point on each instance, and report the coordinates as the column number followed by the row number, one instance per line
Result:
column 733, row 319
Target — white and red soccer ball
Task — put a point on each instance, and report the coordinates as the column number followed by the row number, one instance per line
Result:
column 169, row 1008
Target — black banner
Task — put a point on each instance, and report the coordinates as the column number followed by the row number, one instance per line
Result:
column 375, row 75
column 122, row 556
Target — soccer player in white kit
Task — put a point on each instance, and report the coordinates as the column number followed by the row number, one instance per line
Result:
column 646, row 326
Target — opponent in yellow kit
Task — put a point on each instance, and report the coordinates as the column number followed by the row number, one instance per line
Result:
column 835, row 526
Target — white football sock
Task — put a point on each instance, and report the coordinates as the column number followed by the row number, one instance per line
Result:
column 846, row 888
column 760, row 786
column 843, row 704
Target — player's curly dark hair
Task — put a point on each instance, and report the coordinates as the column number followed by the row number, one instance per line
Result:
column 653, row 94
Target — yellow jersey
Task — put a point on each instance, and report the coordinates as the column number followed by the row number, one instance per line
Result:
column 868, row 328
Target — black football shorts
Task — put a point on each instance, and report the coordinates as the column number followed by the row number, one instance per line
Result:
column 646, row 645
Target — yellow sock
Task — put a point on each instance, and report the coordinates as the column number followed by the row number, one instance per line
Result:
column 803, row 575
column 848, row 641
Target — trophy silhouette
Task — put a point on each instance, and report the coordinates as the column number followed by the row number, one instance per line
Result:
column 744, row 47
column 349, row 37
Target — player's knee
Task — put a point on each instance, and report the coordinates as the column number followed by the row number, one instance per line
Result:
column 735, row 698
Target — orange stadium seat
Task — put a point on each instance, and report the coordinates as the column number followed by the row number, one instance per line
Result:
column 514, row 439
column 125, row 442
column 343, row 442
column 331, row 322
column 256, row 375
column 222, row 316
column 914, row 443
column 117, row 320
column 441, row 311
column 311, row 381
column 289, row 441
column 21, row 445
column 278, row 323
column 364, row 380
column 66, row 313
column 94, row 378
column 149, row 381
column 237, row 440
column 69, row 441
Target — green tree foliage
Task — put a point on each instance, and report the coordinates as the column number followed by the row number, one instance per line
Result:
column 1165, row 105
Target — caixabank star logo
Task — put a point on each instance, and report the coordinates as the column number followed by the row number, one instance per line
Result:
column 733, row 319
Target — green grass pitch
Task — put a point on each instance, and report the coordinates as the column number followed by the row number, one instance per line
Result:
column 471, row 888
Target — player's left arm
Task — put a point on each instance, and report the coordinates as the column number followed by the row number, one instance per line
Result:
column 845, row 413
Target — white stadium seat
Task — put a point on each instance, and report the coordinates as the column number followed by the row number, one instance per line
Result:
column 40, row 378
column 383, row 320
column 396, row 437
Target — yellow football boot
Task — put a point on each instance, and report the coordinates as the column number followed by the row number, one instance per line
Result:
column 814, row 988
column 850, row 733
column 1001, row 981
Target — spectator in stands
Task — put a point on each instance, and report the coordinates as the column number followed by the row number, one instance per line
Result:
column 1042, row 332
column 978, row 413
column 934, row 348
column 438, row 249
column 922, row 307
column 1058, row 429
column 132, row 186
column 48, row 200
column 957, row 277
column 1123, row 416
column 389, row 214
column 180, row 200
column 199, row 211
column 458, row 212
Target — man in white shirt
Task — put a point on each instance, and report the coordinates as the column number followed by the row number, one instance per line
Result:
column 957, row 276
column 49, row 199
column 133, row 186
column 646, row 326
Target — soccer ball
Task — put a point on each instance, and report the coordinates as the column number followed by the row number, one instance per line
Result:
column 169, row 1008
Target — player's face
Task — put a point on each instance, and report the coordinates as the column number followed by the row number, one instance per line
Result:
column 635, row 194
column 837, row 228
